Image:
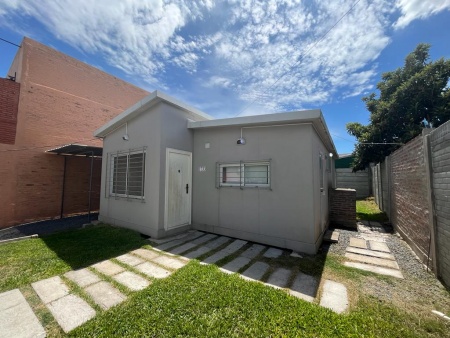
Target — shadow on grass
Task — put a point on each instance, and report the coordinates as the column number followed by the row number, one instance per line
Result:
column 81, row 248
column 367, row 210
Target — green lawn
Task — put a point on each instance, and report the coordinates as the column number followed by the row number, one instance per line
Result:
column 367, row 209
column 28, row 261
column 199, row 301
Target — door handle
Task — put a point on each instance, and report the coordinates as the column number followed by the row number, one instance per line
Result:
column 187, row 188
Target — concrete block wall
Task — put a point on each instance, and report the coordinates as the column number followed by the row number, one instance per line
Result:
column 440, row 145
column 9, row 105
column 343, row 207
column 62, row 101
column 360, row 181
column 409, row 202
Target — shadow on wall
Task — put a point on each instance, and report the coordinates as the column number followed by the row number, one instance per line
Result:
column 81, row 248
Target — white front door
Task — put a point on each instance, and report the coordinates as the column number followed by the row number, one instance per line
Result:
column 178, row 188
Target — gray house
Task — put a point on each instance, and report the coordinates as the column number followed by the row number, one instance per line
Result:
column 168, row 167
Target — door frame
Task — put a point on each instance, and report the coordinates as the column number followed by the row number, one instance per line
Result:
column 166, row 188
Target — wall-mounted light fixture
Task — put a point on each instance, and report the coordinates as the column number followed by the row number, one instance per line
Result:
column 241, row 141
column 126, row 137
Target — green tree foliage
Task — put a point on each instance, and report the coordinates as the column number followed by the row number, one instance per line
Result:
column 410, row 97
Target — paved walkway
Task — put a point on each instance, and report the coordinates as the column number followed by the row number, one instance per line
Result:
column 369, row 252
column 71, row 307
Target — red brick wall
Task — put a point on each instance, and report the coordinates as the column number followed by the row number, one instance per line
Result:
column 62, row 101
column 409, row 205
column 343, row 207
column 9, row 104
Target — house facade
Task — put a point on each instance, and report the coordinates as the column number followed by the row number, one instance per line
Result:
column 168, row 167
column 48, row 100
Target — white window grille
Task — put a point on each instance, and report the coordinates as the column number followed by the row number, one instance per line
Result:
column 127, row 174
column 244, row 174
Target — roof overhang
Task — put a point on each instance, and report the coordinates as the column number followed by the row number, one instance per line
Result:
column 77, row 150
column 313, row 117
column 142, row 106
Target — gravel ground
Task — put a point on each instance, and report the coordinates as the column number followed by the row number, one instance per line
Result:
column 418, row 292
column 46, row 227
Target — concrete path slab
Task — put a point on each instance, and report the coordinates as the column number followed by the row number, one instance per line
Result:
column 304, row 287
column 192, row 244
column 273, row 253
column 230, row 249
column 256, row 271
column 236, row 264
column 372, row 260
column 130, row 259
column 371, row 253
column 82, row 277
column 176, row 242
column 334, row 296
column 146, row 254
column 70, row 312
column 279, row 278
column 171, row 263
column 358, row 243
column 131, row 280
column 17, row 319
column 331, row 236
column 375, row 269
column 108, row 268
column 379, row 246
column 152, row 270
column 170, row 238
column 50, row 289
column 253, row 251
column 207, row 247
column 105, row 295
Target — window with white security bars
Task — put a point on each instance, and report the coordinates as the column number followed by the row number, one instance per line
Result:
column 127, row 174
column 242, row 174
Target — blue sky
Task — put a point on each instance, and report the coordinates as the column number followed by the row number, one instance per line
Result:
column 228, row 58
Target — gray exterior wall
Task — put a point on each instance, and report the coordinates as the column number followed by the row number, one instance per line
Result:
column 289, row 214
column 360, row 181
column 163, row 126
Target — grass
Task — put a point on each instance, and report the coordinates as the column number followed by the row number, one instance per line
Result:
column 31, row 260
column 200, row 301
column 367, row 210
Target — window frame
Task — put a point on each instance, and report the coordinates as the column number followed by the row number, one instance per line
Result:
column 112, row 164
column 241, row 182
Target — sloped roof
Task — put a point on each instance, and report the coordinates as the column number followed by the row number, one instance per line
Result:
column 142, row 106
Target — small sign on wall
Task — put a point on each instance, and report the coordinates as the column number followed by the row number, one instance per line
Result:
column 201, row 169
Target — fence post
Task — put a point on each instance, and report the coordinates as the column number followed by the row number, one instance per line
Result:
column 433, row 250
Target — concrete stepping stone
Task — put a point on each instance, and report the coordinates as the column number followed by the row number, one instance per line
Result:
column 379, row 246
column 334, row 296
column 176, row 242
column 70, row 312
column 131, row 280
column 152, row 270
column 192, row 244
column 170, row 238
column 236, row 264
column 371, row 253
column 256, row 271
column 108, row 268
column 279, row 278
column 207, row 247
column 273, row 253
column 331, row 236
column 146, row 254
column 304, row 287
column 130, row 259
column 50, row 289
column 230, row 249
column 253, row 251
column 358, row 243
column 169, row 262
column 372, row 260
column 17, row 319
column 82, row 277
column 375, row 269
column 105, row 295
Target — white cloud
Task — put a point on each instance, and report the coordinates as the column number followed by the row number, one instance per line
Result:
column 268, row 53
column 418, row 9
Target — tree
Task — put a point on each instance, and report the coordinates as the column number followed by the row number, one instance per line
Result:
column 411, row 97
